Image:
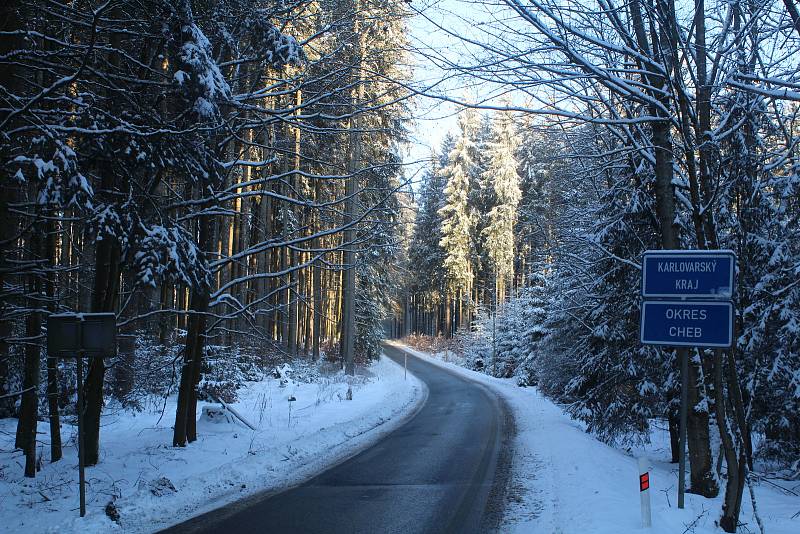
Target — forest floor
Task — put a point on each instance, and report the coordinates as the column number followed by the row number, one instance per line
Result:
column 153, row 485
column 564, row 480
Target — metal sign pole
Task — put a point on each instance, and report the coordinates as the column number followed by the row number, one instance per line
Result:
column 704, row 316
column 81, row 476
column 683, row 354
column 92, row 335
column 494, row 331
column 81, row 473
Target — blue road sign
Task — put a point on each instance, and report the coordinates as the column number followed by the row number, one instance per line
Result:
column 688, row 274
column 687, row 323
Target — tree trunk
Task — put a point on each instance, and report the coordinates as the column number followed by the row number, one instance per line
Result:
column 348, row 290
column 105, row 291
column 447, row 329
column 460, row 321
column 292, row 301
column 697, row 425
column 701, row 460
column 665, row 200
column 317, row 283
column 30, row 399
column 308, row 292
column 9, row 22
column 295, row 257
column 104, row 299
column 166, row 325
column 26, row 427
column 195, row 337
column 269, row 231
column 52, row 406
column 794, row 14
column 7, row 404
column 351, row 191
column 674, row 418
column 202, row 298
column 52, row 363
column 337, row 304
column 736, row 474
column 7, row 230
column 185, row 413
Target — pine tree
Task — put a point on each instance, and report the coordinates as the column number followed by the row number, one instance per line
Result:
column 457, row 222
column 502, row 174
column 426, row 256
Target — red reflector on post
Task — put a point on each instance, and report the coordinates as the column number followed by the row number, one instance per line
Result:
column 644, row 481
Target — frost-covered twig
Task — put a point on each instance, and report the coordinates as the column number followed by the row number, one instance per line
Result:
column 691, row 526
column 16, row 394
column 749, row 483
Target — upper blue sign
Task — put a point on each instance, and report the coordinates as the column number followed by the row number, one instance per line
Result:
column 688, row 273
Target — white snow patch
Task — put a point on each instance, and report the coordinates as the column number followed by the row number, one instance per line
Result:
column 564, row 480
column 228, row 462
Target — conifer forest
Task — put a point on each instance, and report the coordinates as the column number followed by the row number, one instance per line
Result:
column 263, row 192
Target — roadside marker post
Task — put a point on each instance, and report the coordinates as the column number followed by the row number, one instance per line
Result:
column 687, row 302
column 405, row 366
column 644, row 492
column 81, row 335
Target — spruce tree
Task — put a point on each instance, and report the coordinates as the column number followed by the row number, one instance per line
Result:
column 501, row 173
column 457, row 221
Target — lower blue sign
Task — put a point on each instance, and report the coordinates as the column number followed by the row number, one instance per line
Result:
column 687, row 324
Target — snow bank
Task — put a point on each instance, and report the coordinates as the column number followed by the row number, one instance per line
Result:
column 565, row 481
column 154, row 485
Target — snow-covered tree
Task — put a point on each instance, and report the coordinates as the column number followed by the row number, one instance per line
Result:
column 426, row 256
column 183, row 165
column 457, row 221
column 502, row 173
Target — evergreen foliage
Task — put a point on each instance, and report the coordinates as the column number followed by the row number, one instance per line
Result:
column 186, row 166
column 457, row 219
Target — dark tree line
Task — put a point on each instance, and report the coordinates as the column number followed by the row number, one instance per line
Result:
column 216, row 173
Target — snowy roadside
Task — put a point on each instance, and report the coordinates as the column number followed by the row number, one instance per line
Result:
column 155, row 485
column 565, row 481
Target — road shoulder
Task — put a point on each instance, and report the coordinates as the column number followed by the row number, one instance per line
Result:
column 563, row 479
column 154, row 485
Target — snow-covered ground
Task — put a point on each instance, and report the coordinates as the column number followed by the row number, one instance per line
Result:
column 565, row 481
column 154, row 485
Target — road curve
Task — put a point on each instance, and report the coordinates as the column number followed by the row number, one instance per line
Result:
column 442, row 471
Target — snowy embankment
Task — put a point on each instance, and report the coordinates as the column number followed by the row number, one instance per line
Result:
column 565, row 481
column 154, row 485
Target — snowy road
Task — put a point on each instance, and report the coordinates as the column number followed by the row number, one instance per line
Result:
column 442, row 471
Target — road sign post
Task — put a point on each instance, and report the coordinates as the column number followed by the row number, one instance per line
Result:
column 81, row 335
column 644, row 492
column 81, row 464
column 687, row 303
column 683, row 356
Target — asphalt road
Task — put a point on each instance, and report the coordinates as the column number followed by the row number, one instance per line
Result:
column 444, row 470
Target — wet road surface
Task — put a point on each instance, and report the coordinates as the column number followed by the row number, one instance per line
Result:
column 441, row 471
